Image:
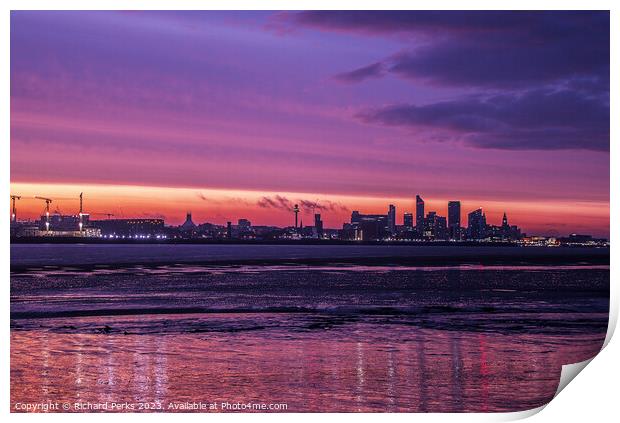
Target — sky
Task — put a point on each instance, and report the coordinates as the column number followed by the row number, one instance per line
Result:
column 241, row 114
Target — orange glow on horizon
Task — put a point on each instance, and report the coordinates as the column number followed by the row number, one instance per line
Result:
column 218, row 206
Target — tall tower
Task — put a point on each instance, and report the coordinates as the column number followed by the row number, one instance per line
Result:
column 419, row 214
column 296, row 211
column 504, row 221
column 454, row 219
column 505, row 230
column 391, row 217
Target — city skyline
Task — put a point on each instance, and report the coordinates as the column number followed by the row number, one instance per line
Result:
column 164, row 112
column 279, row 211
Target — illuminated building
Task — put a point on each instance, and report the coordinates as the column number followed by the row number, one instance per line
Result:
column 130, row 227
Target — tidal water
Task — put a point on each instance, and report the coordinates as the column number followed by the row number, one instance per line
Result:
column 139, row 328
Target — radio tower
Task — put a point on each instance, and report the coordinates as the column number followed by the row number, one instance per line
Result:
column 296, row 211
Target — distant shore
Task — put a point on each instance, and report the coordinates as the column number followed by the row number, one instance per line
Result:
column 85, row 257
column 305, row 241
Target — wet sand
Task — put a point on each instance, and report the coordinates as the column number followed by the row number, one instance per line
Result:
column 316, row 338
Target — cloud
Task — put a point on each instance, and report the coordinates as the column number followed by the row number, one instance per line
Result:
column 277, row 202
column 539, row 119
column 307, row 206
column 492, row 64
column 554, row 24
column 374, row 70
column 540, row 79
column 480, row 48
column 324, row 206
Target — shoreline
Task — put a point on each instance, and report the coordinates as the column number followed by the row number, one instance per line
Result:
column 573, row 257
column 306, row 241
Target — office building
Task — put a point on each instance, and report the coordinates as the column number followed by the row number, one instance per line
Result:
column 391, row 217
column 435, row 226
column 476, row 225
column 408, row 221
column 454, row 219
column 419, row 214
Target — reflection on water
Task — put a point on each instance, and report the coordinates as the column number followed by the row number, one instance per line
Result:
column 316, row 338
column 355, row 367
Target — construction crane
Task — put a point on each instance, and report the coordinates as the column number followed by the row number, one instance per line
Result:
column 14, row 215
column 48, row 201
column 81, row 221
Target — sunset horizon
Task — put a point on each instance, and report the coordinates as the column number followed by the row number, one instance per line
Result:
column 219, row 206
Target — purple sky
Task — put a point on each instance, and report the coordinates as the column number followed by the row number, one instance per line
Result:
column 498, row 107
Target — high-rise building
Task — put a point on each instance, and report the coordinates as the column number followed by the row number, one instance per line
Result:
column 419, row 214
column 454, row 219
column 476, row 225
column 391, row 216
column 435, row 226
column 408, row 221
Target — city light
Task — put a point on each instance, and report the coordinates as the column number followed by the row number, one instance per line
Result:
column 422, row 227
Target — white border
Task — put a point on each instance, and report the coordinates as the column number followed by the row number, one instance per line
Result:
column 592, row 397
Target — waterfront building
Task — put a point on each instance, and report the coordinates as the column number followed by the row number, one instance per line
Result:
column 454, row 219
column 130, row 227
column 408, row 221
column 368, row 227
column 391, row 217
column 435, row 226
column 419, row 214
column 476, row 224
